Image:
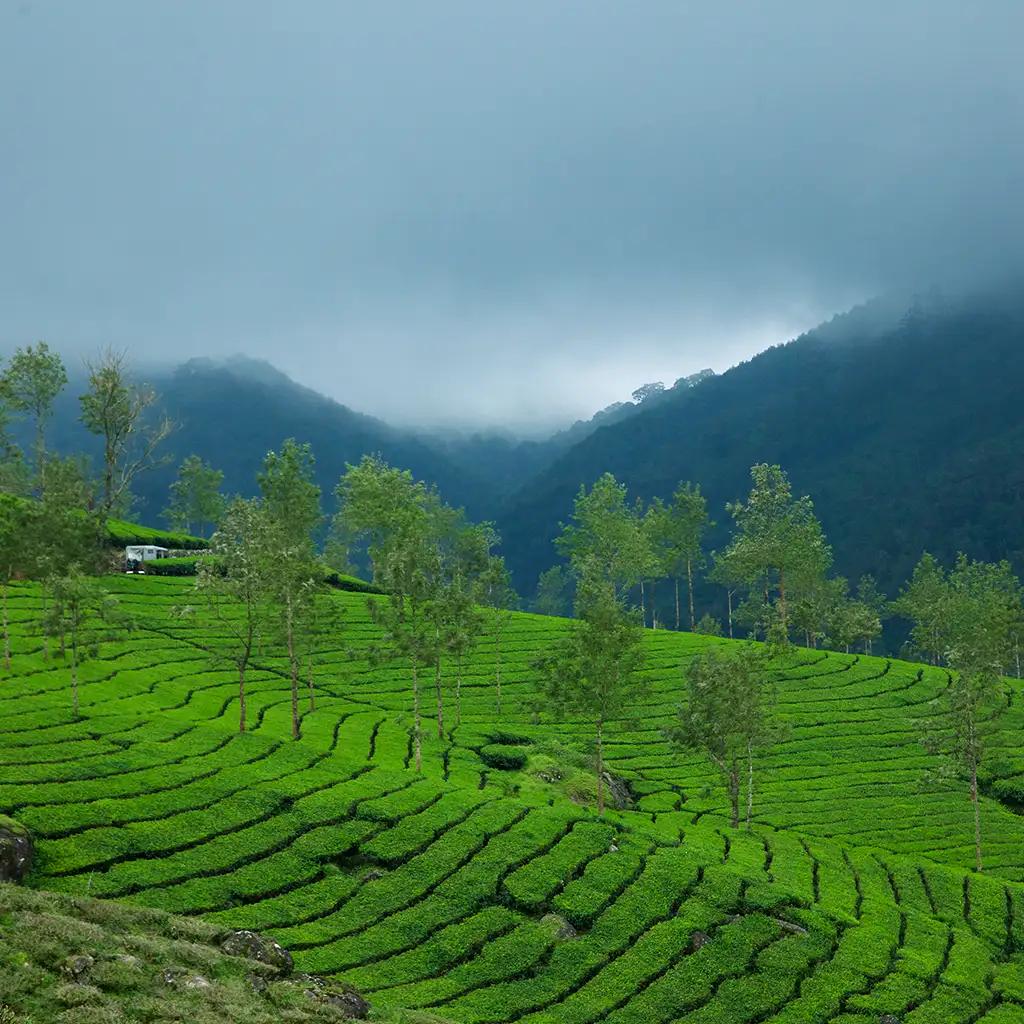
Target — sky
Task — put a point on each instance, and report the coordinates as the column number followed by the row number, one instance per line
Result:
column 495, row 213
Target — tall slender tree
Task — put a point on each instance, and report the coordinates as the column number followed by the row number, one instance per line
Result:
column 778, row 541
column 291, row 502
column 34, row 377
column 593, row 671
column 195, row 498
column 236, row 587
column 686, row 524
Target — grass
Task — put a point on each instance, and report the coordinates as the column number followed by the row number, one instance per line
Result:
column 850, row 898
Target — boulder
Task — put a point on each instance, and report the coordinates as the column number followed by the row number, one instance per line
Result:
column 698, row 940
column 351, row 1004
column 619, row 793
column 17, row 850
column 178, row 977
column 258, row 947
column 76, row 968
column 559, row 925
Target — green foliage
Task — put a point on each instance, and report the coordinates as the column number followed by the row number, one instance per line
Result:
column 195, row 496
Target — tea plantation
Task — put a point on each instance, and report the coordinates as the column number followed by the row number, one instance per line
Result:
column 487, row 890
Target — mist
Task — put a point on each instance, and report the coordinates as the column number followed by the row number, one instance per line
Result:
column 466, row 214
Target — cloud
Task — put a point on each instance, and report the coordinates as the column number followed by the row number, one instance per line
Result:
column 501, row 212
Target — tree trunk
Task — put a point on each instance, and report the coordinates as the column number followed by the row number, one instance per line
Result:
column 74, row 673
column 293, row 664
column 309, row 680
column 677, row 604
column 750, row 784
column 689, row 587
column 7, row 631
column 241, row 695
column 782, row 604
column 416, row 739
column 440, row 698
column 977, row 817
column 734, row 795
column 458, row 691
column 728, row 597
column 600, row 768
column 643, row 606
column 497, row 664
column 46, row 633
column 654, row 605
column 41, row 454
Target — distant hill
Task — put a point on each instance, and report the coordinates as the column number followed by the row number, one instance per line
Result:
column 906, row 426
column 232, row 412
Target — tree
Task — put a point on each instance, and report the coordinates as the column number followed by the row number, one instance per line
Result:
column 605, row 535
column 291, row 503
column 648, row 391
column 116, row 410
column 235, row 586
column 33, row 379
column 592, row 672
column 553, row 592
column 686, row 523
column 778, row 542
column 15, row 517
column 924, row 600
column 876, row 606
column 196, row 500
column 726, row 574
column 495, row 592
column 728, row 716
column 385, row 509
column 78, row 603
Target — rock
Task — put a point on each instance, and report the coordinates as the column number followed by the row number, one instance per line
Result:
column 258, row 947
column 77, row 967
column 258, row 983
column 127, row 959
column 17, row 851
column 797, row 929
column 698, row 940
column 351, row 1004
column 618, row 791
column 373, row 874
column 559, row 925
column 178, row 977
column 888, row 1018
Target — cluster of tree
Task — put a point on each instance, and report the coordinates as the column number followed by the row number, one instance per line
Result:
column 774, row 569
column 970, row 618
column 263, row 581
column 53, row 511
column 439, row 572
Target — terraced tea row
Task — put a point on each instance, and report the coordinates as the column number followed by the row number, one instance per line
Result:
column 487, row 895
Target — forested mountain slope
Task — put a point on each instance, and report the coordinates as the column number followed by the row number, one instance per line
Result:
column 232, row 412
column 908, row 437
column 849, row 899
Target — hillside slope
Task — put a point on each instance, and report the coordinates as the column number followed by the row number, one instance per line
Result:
column 849, row 899
column 233, row 412
column 907, row 437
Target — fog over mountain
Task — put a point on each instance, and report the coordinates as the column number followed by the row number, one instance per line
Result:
column 508, row 214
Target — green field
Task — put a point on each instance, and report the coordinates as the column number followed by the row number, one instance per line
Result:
column 850, row 900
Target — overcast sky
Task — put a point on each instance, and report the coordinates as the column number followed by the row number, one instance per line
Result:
column 490, row 211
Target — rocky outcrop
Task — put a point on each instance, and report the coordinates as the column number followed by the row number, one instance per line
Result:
column 260, row 948
column 17, row 851
column 559, row 926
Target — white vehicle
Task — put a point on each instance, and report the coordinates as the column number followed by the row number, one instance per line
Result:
column 136, row 556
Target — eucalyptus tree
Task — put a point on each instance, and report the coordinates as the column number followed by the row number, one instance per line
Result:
column 385, row 509
column 686, row 524
column 291, row 503
column 924, row 600
column 236, row 586
column 593, row 670
column 554, row 587
column 33, row 379
column 494, row 587
column 778, row 541
column 78, row 605
column 605, row 535
column 15, row 552
column 983, row 604
column 728, row 715
column 195, row 497
column 118, row 411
